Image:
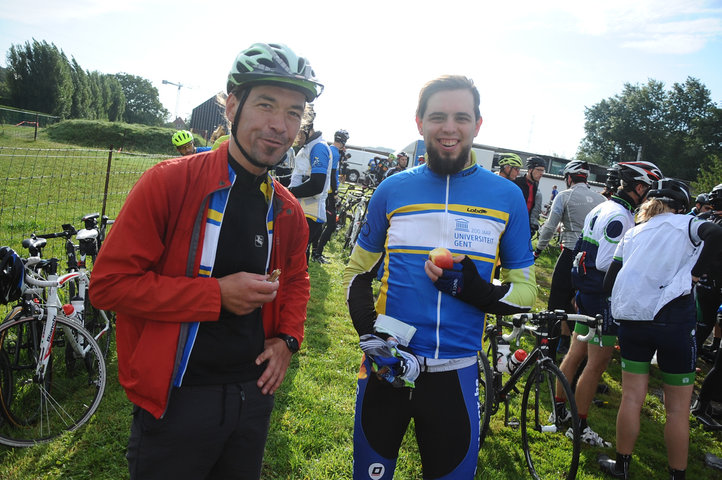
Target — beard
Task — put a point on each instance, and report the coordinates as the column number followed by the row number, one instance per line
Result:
column 447, row 166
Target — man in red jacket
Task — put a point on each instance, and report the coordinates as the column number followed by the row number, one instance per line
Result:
column 204, row 333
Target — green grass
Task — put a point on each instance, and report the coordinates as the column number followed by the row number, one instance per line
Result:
column 312, row 424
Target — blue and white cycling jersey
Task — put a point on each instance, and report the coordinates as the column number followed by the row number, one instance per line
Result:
column 472, row 212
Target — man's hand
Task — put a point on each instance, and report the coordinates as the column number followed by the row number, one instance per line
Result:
column 243, row 292
column 434, row 272
column 279, row 357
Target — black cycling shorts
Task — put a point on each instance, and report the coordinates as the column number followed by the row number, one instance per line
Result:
column 671, row 335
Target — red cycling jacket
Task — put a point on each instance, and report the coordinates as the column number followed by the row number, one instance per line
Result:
column 147, row 271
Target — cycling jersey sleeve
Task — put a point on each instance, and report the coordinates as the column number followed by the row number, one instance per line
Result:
column 522, row 290
column 320, row 158
column 309, row 188
column 711, row 234
column 361, row 270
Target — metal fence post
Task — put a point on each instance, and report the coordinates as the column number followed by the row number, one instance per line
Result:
column 107, row 180
column 37, row 121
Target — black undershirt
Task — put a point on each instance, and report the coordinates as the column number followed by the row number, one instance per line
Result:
column 225, row 351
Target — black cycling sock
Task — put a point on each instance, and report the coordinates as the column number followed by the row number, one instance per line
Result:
column 715, row 343
column 582, row 423
column 677, row 474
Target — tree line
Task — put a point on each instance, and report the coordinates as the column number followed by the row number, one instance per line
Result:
column 679, row 129
column 40, row 77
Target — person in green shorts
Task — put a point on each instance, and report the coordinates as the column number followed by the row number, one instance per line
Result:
column 651, row 280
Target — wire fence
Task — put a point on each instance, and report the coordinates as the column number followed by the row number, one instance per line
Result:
column 42, row 189
column 22, row 123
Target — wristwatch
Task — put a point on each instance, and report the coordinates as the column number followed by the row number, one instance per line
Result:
column 291, row 342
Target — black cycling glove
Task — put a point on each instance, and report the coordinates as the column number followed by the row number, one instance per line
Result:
column 467, row 285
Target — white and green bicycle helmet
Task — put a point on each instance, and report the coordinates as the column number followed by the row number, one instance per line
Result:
column 274, row 63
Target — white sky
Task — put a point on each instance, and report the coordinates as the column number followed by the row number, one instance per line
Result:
column 537, row 64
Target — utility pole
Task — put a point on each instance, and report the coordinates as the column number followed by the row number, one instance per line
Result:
column 177, row 98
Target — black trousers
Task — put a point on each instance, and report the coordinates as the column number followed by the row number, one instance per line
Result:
column 207, row 432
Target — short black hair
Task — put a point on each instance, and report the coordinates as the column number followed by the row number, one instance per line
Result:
column 447, row 82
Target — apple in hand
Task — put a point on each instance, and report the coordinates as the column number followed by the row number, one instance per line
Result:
column 441, row 257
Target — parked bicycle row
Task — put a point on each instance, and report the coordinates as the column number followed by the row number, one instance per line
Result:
column 53, row 342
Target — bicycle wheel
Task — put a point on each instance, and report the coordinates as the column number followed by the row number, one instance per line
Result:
column 68, row 393
column 542, row 432
column 486, row 395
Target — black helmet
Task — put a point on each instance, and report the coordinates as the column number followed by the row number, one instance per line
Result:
column 12, row 275
column 643, row 172
column 534, row 162
column 673, row 192
column 341, row 136
column 576, row 168
column 613, row 177
column 715, row 197
column 402, row 154
column 702, row 199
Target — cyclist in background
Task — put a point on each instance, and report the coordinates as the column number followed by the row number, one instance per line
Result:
column 603, row 228
column 184, row 143
column 509, row 166
column 709, row 297
column 658, row 319
column 425, row 329
column 337, row 149
column 311, row 177
column 402, row 161
column 701, row 204
column 613, row 181
column 204, row 339
column 529, row 185
column 570, row 208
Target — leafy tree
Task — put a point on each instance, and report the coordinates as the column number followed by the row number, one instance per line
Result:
column 116, row 107
column 142, row 102
column 40, row 78
column 709, row 176
column 80, row 107
column 4, row 90
column 674, row 129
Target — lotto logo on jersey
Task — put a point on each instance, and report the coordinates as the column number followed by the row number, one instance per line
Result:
column 376, row 471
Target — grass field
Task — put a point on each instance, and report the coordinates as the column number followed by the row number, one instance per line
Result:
column 312, row 424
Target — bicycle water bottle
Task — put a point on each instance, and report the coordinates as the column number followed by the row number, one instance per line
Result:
column 515, row 359
column 502, row 356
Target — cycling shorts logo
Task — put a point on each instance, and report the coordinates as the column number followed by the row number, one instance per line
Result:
column 259, row 240
column 376, row 471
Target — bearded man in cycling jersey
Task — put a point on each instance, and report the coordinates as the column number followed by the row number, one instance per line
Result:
column 604, row 227
column 420, row 339
column 204, row 336
column 569, row 208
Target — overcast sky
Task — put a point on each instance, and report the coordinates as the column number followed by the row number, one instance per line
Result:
column 537, row 64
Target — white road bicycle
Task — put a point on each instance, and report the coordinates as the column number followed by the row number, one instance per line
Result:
column 52, row 370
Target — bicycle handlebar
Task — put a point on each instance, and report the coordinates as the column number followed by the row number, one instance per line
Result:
column 520, row 319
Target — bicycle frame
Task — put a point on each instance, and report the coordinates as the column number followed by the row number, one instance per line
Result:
column 52, row 308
